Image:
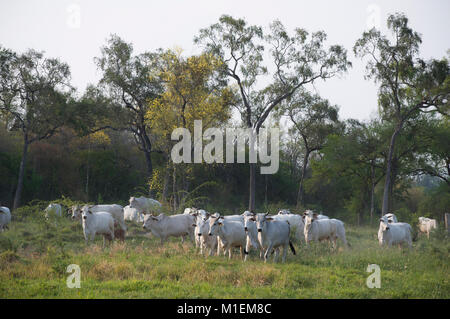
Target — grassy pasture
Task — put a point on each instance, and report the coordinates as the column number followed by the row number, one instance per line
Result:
column 34, row 255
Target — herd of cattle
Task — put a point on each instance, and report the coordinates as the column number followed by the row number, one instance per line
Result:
column 220, row 234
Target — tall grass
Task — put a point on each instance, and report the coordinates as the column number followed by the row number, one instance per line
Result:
column 34, row 255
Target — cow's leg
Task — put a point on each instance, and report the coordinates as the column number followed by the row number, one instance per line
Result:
column 285, row 249
column 266, row 255
column 242, row 252
column 275, row 256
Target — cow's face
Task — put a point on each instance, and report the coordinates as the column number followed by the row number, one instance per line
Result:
column 214, row 224
column 86, row 215
column 308, row 218
column 260, row 220
column 202, row 226
column 248, row 221
column 132, row 202
column 384, row 224
column 75, row 212
column 149, row 220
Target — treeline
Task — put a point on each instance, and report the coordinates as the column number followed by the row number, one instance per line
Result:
column 114, row 140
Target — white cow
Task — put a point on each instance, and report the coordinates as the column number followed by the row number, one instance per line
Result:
column 323, row 229
column 132, row 214
column 296, row 223
column 163, row 226
column 200, row 215
column 426, row 225
column 273, row 234
column 230, row 234
column 202, row 233
column 116, row 212
column 319, row 216
column 5, row 218
column 145, row 205
column 284, row 212
column 97, row 223
column 53, row 209
column 391, row 233
column 391, row 218
column 252, row 237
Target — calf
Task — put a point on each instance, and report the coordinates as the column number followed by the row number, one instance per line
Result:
column 97, row 223
column 273, row 234
column 391, row 233
column 163, row 226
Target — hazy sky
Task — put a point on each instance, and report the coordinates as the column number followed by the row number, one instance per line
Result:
column 53, row 26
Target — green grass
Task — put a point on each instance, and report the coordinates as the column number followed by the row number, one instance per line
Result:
column 34, row 255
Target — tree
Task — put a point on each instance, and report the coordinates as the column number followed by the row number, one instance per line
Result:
column 408, row 85
column 131, row 83
column 34, row 95
column 193, row 90
column 355, row 155
column 313, row 119
column 298, row 60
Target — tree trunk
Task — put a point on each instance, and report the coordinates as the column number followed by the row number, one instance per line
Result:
column 387, row 183
column 165, row 193
column 87, row 169
column 302, row 177
column 372, row 193
column 251, row 201
column 265, row 193
column 174, row 188
column 21, row 173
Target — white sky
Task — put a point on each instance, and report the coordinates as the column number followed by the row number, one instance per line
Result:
column 47, row 25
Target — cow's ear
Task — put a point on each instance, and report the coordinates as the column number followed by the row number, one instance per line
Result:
column 208, row 214
column 389, row 221
column 253, row 219
column 193, row 225
column 381, row 220
column 269, row 218
column 220, row 223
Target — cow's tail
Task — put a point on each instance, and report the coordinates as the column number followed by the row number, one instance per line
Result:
column 292, row 247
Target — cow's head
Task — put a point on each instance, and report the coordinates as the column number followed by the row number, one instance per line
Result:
column 86, row 214
column 214, row 223
column 308, row 219
column 384, row 224
column 248, row 220
column 261, row 220
column 75, row 211
column 150, row 219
